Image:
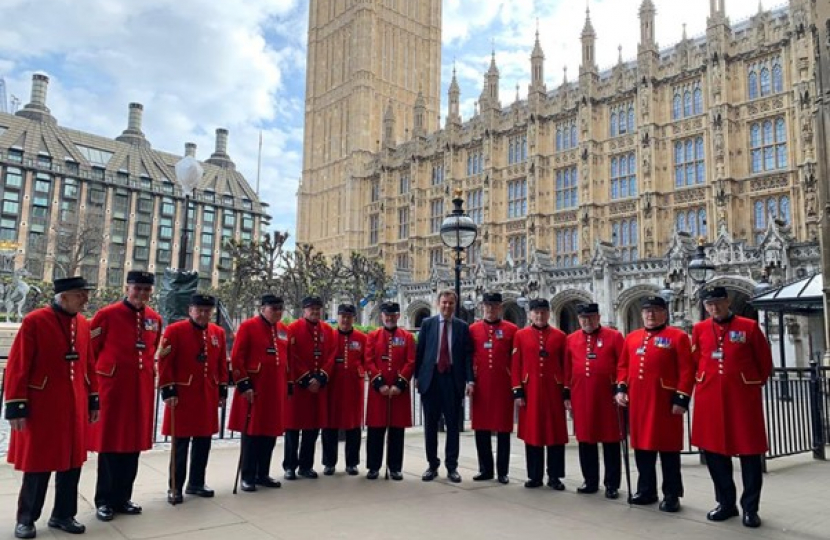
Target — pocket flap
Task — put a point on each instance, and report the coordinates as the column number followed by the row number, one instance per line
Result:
column 40, row 386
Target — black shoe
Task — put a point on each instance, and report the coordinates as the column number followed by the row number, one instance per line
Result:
column 24, row 530
column 752, row 520
column 68, row 525
column 328, row 471
column 104, row 513
column 129, row 508
column 248, row 486
column 722, row 513
column 642, row 499
column 670, row 504
column 396, row 475
column 481, row 477
column 429, row 475
column 174, row 499
column 267, row 481
column 199, row 491
column 290, row 475
column 352, row 471
column 530, row 484
column 556, row 484
column 372, row 475
column 453, row 476
column 307, row 473
column 587, row 489
column 611, row 493
column 504, row 479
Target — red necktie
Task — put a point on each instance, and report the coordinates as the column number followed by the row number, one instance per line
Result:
column 444, row 350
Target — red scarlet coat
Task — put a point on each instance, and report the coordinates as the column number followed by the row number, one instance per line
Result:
column 591, row 375
column 656, row 380
column 312, row 355
column 259, row 361
column 345, row 388
column 199, row 385
column 728, row 413
column 539, row 378
column 126, row 377
column 53, row 395
column 390, row 360
column 492, row 401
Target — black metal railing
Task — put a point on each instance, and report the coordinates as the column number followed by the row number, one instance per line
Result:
column 796, row 408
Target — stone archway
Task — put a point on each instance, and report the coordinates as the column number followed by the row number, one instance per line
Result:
column 563, row 308
column 512, row 312
column 416, row 312
column 628, row 307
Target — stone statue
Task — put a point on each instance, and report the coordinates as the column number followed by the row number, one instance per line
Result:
column 14, row 294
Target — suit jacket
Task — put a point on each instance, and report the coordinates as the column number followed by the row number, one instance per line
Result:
column 461, row 353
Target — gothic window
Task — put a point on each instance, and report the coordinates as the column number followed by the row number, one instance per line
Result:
column 517, row 198
column 675, row 110
column 558, row 139
column 765, row 82
column 630, row 118
column 777, row 78
column 753, row 84
column 475, row 205
column 624, row 176
column 566, row 192
column 701, row 222
column 573, row 135
column 624, row 236
column 436, row 215
column 613, row 124
column 768, row 145
column 403, row 223
column 687, row 103
column 698, row 101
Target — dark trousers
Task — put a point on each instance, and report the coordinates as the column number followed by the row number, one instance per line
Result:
column 330, row 440
column 647, row 473
column 442, row 399
column 116, row 476
column 752, row 474
column 374, row 448
column 589, row 463
column 33, row 494
column 198, row 461
column 536, row 461
column 484, row 448
column 299, row 452
column 256, row 456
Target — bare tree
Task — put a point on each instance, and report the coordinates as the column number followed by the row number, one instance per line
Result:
column 78, row 241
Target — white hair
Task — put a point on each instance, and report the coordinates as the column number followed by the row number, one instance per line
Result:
column 58, row 297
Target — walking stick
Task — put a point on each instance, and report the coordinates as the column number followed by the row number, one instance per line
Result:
column 388, row 434
column 173, row 486
column 242, row 449
column 623, row 425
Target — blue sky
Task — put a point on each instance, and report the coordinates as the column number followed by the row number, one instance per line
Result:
column 240, row 64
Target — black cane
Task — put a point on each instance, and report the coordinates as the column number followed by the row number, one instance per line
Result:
column 242, row 449
column 623, row 425
column 388, row 434
column 174, row 487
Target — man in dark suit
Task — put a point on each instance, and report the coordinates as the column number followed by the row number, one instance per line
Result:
column 443, row 367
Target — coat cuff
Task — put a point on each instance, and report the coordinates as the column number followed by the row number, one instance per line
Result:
column 223, row 391
column 244, row 385
column 169, row 391
column 322, row 377
column 518, row 393
column 680, row 399
column 401, row 383
column 94, row 402
column 18, row 408
column 377, row 382
column 621, row 388
column 566, row 393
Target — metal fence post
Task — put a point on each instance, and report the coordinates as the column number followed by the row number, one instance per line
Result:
column 817, row 412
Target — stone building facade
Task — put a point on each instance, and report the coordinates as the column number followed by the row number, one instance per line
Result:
column 64, row 191
column 599, row 189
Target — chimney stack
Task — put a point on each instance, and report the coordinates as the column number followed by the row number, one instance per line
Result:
column 133, row 134
column 36, row 109
column 190, row 149
column 220, row 157
column 134, row 119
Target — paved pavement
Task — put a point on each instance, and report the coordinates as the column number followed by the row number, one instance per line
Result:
column 795, row 505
